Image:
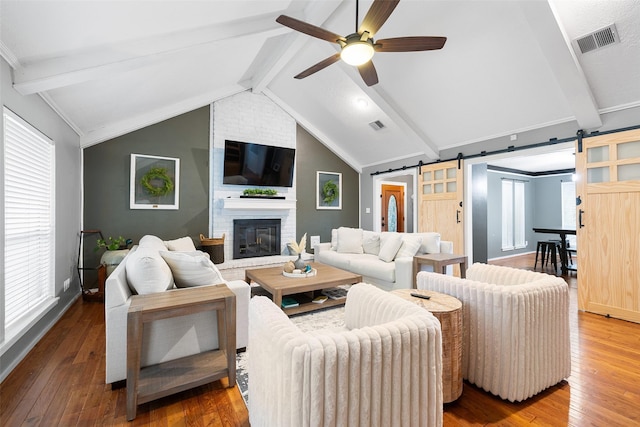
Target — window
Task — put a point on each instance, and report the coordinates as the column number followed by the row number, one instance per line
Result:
column 28, row 224
column 568, row 196
column 513, row 234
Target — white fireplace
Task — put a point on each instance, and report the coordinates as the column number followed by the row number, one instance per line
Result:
column 254, row 118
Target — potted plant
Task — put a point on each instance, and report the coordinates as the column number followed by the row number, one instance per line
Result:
column 116, row 250
column 299, row 248
column 260, row 192
column 110, row 244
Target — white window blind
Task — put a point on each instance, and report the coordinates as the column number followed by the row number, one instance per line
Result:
column 29, row 220
column 507, row 214
column 568, row 196
column 513, row 215
column 518, row 215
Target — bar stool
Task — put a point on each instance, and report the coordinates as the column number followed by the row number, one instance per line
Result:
column 541, row 248
column 566, row 257
column 549, row 250
column 554, row 248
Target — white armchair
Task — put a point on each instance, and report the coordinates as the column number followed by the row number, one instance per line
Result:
column 516, row 328
column 386, row 369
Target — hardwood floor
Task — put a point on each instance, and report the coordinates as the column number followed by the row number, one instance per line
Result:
column 61, row 382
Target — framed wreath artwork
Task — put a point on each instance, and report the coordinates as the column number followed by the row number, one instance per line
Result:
column 328, row 190
column 154, row 182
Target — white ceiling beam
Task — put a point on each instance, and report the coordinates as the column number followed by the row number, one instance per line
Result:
column 316, row 13
column 101, row 134
column 8, row 55
column 332, row 145
column 103, row 61
column 563, row 63
column 397, row 114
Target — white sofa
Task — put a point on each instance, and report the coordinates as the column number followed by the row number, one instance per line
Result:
column 384, row 369
column 516, row 339
column 165, row 339
column 384, row 259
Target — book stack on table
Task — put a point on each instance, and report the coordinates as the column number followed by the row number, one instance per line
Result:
column 288, row 302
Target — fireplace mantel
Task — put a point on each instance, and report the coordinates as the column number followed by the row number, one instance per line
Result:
column 236, row 203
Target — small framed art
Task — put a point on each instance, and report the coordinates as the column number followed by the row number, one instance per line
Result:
column 155, row 182
column 328, row 190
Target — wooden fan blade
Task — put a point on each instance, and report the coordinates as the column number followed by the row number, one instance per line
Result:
column 319, row 66
column 409, row 44
column 377, row 15
column 368, row 73
column 308, row 29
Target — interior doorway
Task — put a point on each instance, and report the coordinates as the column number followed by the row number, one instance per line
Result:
column 393, row 207
column 406, row 178
column 540, row 157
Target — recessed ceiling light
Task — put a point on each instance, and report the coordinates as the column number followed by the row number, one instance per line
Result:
column 361, row 103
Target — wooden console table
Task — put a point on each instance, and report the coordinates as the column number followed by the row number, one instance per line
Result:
column 156, row 381
column 439, row 263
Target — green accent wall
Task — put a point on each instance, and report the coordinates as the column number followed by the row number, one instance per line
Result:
column 107, row 172
column 107, row 176
column 312, row 156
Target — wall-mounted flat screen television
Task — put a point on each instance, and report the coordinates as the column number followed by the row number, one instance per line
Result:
column 256, row 164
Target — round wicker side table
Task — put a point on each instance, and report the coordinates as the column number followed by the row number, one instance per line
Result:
column 448, row 310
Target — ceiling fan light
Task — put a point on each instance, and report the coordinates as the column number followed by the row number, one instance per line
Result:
column 357, row 53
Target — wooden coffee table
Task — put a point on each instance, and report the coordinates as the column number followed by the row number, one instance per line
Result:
column 273, row 281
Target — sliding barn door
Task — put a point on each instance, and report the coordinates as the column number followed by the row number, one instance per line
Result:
column 608, row 231
column 440, row 209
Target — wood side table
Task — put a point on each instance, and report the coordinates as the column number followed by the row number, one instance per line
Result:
column 439, row 263
column 448, row 310
column 156, row 381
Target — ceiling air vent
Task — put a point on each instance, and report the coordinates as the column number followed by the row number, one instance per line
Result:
column 598, row 39
column 377, row 125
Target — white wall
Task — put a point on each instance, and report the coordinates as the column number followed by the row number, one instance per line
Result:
column 248, row 117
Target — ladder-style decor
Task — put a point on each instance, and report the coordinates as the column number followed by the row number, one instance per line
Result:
column 91, row 294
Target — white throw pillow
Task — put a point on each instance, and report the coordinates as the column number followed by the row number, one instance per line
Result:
column 349, row 240
column 371, row 242
column 147, row 272
column 334, row 239
column 389, row 246
column 410, row 245
column 183, row 244
column 430, row 243
column 152, row 242
column 192, row 268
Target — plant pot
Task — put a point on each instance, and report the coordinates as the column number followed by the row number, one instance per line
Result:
column 112, row 258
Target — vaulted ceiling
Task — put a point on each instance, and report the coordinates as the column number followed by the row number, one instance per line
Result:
column 111, row 67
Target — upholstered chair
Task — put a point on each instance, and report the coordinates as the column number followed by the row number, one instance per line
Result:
column 516, row 328
column 384, row 369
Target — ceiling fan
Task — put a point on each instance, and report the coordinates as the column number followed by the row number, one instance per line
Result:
column 358, row 48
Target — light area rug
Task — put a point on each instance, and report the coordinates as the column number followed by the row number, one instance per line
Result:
column 329, row 319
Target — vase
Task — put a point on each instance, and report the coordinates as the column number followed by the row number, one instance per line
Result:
column 299, row 263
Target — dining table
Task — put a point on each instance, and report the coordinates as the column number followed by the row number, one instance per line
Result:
column 563, row 232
